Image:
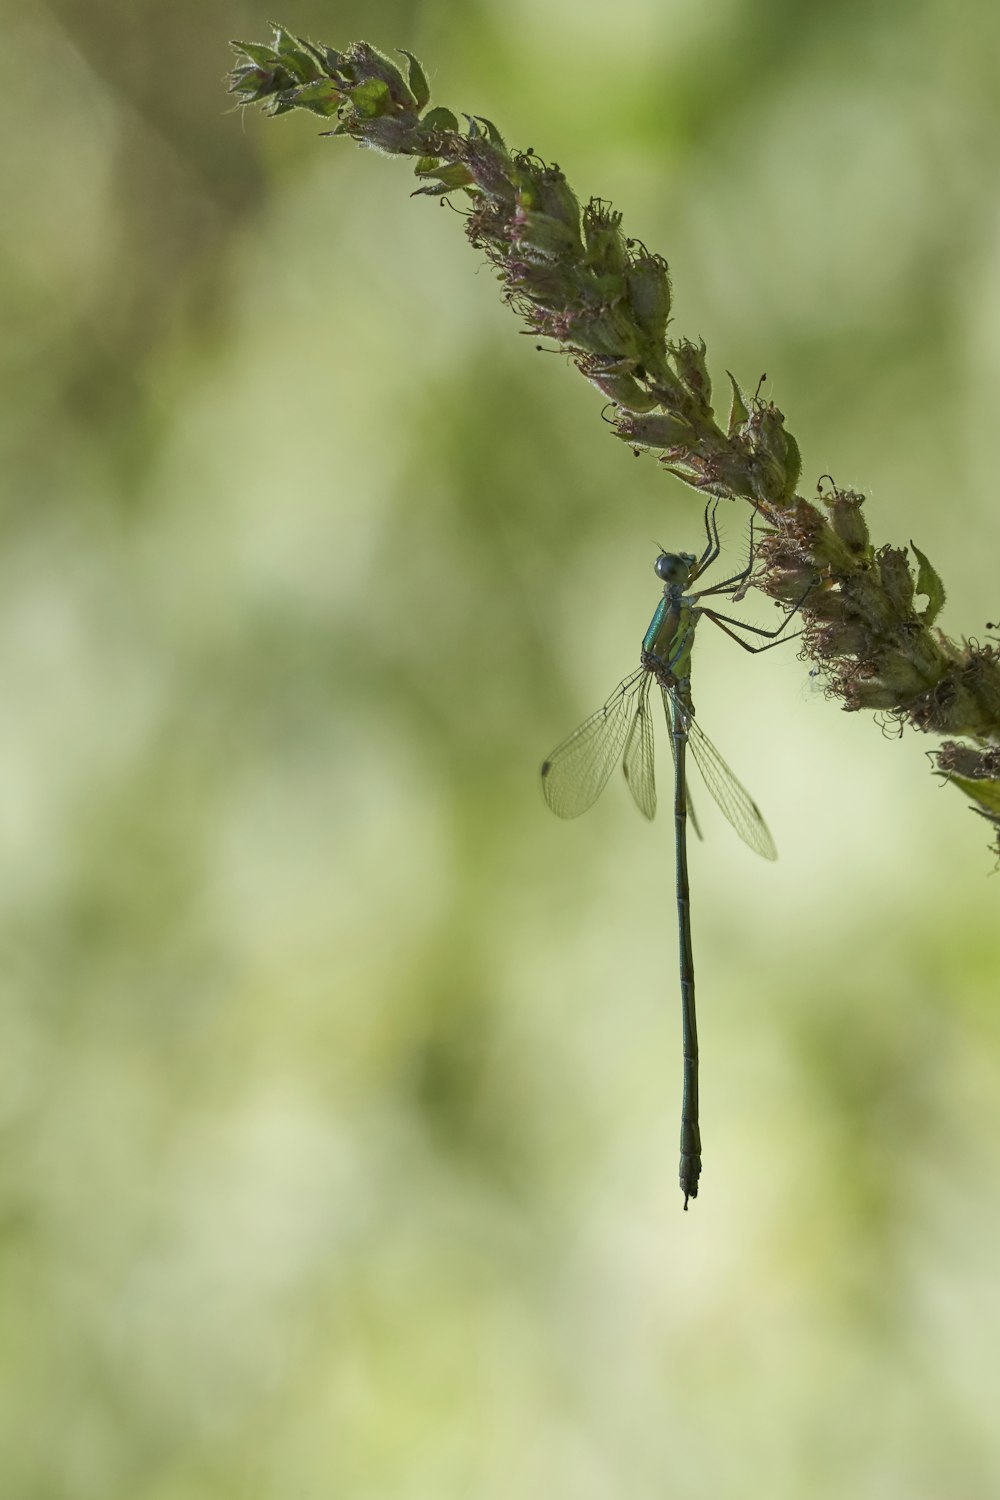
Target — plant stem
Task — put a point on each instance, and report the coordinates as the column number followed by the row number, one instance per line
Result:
column 573, row 277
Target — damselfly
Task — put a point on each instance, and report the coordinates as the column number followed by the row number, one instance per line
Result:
column 576, row 772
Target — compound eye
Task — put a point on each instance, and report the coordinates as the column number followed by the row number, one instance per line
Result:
column 669, row 567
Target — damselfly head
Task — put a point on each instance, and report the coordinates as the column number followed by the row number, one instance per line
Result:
column 674, row 567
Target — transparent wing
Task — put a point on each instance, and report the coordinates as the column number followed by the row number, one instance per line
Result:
column 668, row 710
column 576, row 772
column 692, row 819
column 734, row 800
column 637, row 757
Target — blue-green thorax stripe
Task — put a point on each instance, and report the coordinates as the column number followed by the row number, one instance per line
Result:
column 671, row 635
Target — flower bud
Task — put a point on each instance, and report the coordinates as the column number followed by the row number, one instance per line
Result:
column 789, row 581
column 539, row 235
column 689, row 362
column 774, row 460
column 846, row 519
column 897, row 580
column 898, row 673
column 965, row 760
column 866, row 692
column 603, row 238
column 489, row 165
column 557, row 199
column 982, row 676
column 623, row 390
column 657, row 430
column 841, row 638
column 603, row 331
column 364, row 66
column 648, row 284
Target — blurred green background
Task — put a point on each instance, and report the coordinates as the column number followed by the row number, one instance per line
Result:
column 340, row 1080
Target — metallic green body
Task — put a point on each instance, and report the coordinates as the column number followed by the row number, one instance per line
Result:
column 576, row 771
column 671, row 634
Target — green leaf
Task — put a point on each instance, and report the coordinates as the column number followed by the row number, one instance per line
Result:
column 302, row 65
column 255, row 82
column 322, row 97
column 265, row 57
column 439, row 119
column 985, row 793
column 371, row 99
column 416, row 79
column 930, row 585
column 454, row 176
column 492, row 133
column 284, row 42
column 740, row 409
column 793, row 467
column 326, row 57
